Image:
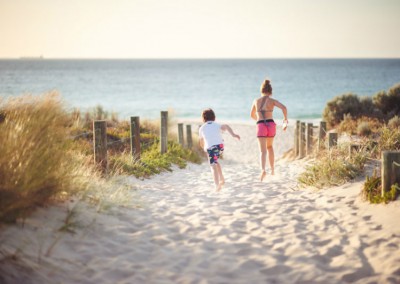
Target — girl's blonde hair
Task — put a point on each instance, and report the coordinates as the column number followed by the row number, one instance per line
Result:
column 266, row 87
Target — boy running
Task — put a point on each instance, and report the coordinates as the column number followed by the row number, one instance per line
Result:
column 211, row 141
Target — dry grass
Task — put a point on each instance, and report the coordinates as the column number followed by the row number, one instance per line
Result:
column 36, row 164
column 333, row 167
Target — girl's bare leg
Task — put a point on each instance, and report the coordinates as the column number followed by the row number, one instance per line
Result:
column 262, row 143
column 271, row 155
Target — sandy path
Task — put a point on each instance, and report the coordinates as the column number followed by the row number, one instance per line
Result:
column 250, row 232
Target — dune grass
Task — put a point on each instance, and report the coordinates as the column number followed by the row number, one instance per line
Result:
column 36, row 164
column 333, row 167
column 47, row 155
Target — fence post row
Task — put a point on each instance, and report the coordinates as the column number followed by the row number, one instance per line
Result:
column 390, row 171
column 100, row 145
column 180, row 134
column 189, row 136
column 164, row 132
column 135, row 137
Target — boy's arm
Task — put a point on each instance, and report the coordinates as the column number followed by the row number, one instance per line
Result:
column 201, row 142
column 229, row 129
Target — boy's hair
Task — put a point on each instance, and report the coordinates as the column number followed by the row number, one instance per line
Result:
column 208, row 115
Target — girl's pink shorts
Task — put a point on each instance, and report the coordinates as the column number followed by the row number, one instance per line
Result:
column 266, row 128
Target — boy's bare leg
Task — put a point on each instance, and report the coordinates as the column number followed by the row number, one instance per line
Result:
column 271, row 155
column 262, row 143
column 214, row 170
column 221, row 176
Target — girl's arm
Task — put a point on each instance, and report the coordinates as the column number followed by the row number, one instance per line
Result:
column 253, row 111
column 229, row 129
column 283, row 108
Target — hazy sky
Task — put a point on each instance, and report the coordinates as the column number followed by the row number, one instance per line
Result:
column 199, row 28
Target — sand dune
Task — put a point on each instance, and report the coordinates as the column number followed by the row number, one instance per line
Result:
column 179, row 230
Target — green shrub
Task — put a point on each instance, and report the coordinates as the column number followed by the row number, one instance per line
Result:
column 388, row 103
column 152, row 161
column 339, row 106
column 372, row 190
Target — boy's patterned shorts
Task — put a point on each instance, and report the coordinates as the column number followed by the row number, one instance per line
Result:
column 214, row 152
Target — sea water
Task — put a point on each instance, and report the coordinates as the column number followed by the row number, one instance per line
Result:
column 187, row 86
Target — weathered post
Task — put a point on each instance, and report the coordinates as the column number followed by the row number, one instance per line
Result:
column 302, row 140
column 135, row 137
column 100, row 145
column 189, row 136
column 180, row 134
column 309, row 138
column 296, row 138
column 390, row 171
column 322, row 133
column 333, row 137
column 353, row 148
column 164, row 132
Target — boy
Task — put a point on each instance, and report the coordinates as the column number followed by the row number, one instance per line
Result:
column 211, row 141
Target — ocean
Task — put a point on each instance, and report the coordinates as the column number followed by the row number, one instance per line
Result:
column 141, row 87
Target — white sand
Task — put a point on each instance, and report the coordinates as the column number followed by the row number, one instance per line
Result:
column 184, row 232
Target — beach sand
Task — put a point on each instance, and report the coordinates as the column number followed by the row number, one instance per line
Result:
column 177, row 229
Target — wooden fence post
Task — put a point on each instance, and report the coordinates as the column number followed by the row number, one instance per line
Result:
column 189, row 136
column 309, row 139
column 322, row 133
column 100, row 145
column 296, row 138
column 390, row 169
column 333, row 137
column 180, row 134
column 302, row 140
column 135, row 137
column 164, row 132
column 353, row 148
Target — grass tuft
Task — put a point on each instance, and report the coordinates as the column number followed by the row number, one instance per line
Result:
column 36, row 164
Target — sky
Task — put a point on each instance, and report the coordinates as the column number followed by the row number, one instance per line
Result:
column 200, row 28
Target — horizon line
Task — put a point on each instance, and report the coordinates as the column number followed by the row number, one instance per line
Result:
column 39, row 58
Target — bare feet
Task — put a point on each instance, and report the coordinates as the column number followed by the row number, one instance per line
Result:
column 218, row 187
column 272, row 172
column 263, row 175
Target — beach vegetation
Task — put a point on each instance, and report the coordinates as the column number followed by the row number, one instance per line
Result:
column 372, row 190
column 47, row 154
column 36, row 164
column 364, row 129
column 394, row 122
column 333, row 167
column 388, row 140
column 382, row 106
column 388, row 102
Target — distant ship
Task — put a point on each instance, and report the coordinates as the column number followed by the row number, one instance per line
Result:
column 32, row 57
